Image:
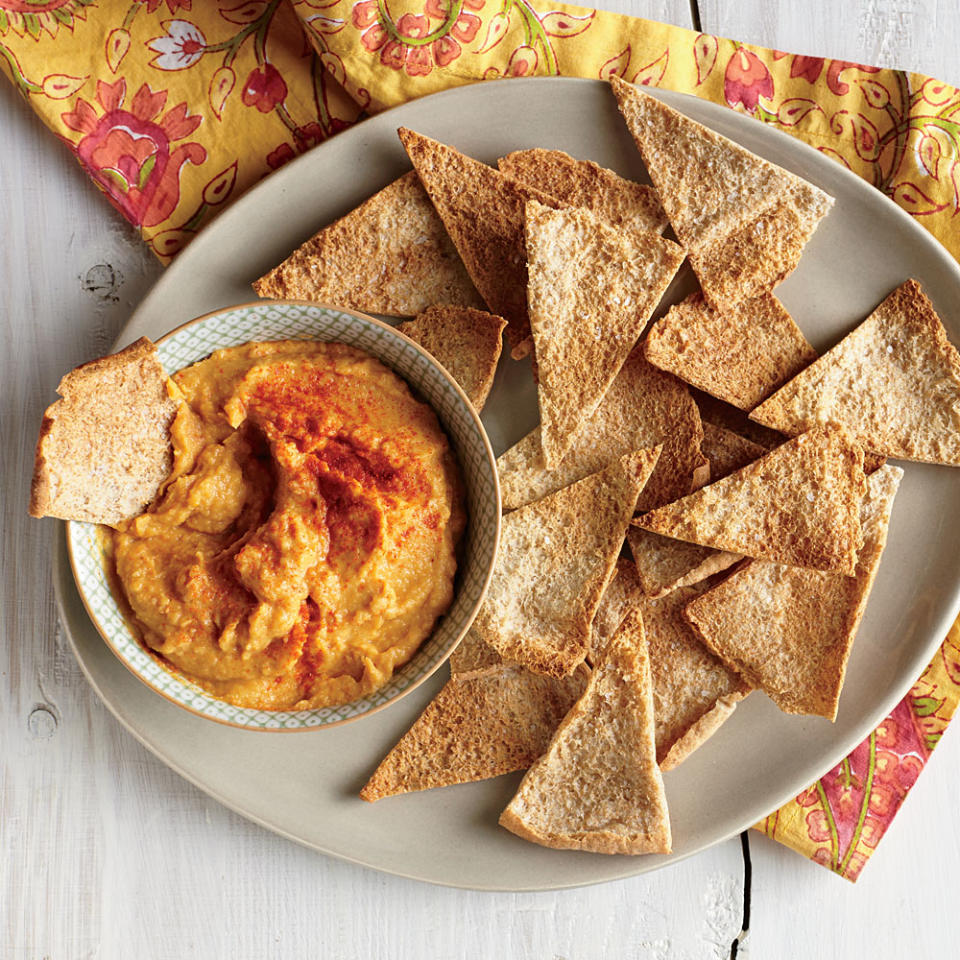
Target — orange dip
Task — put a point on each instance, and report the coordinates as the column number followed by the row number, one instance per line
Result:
column 304, row 544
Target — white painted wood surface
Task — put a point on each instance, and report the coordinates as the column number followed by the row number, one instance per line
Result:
column 107, row 854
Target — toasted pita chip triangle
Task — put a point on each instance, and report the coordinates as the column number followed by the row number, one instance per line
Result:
column 390, row 255
column 618, row 600
column 104, row 450
column 556, row 557
column 743, row 221
column 693, row 691
column 473, row 654
column 581, row 183
column 727, row 450
column 591, row 292
column 728, row 417
column 598, row 786
column 741, row 354
column 799, row 505
column 483, row 212
column 789, row 631
column 662, row 563
column 467, row 342
column 894, row 381
column 478, row 726
column 642, row 408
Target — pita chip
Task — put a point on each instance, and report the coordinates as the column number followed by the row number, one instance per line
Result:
column 591, row 292
column 732, row 418
column 618, row 600
column 894, row 381
column 740, row 354
column 598, row 786
column 466, row 341
column 582, row 183
column 555, row 560
column 642, row 408
column 693, row 691
column 104, row 449
column 483, row 212
column 663, row 563
column 743, row 221
column 798, row 505
column 478, row 726
column 789, row 631
column 391, row 255
column 727, row 450
column 472, row 655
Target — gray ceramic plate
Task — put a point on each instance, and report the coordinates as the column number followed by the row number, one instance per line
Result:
column 304, row 786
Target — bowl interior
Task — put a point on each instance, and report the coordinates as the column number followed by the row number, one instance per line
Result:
column 271, row 320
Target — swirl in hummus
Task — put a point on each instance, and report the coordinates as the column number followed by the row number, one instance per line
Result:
column 304, row 544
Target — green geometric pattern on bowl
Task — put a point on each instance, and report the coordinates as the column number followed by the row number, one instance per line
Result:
column 285, row 321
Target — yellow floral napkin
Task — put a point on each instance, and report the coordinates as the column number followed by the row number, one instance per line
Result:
column 175, row 107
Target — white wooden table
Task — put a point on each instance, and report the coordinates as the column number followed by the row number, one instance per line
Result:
column 105, row 853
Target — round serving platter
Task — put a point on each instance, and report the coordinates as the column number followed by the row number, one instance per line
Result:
column 305, row 786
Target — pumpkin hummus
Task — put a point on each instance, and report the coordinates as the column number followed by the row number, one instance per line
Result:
column 304, row 544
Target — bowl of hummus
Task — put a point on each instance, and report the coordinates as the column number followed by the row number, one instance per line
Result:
column 327, row 531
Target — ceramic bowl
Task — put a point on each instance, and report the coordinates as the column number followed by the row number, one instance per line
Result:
column 276, row 320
